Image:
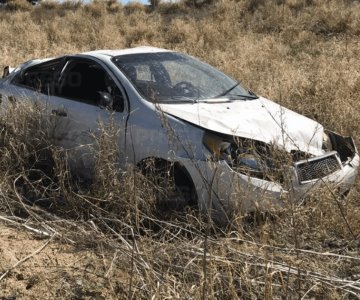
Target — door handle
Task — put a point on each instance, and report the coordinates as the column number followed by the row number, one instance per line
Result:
column 59, row 113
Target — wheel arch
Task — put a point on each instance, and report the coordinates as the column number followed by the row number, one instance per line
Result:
column 181, row 174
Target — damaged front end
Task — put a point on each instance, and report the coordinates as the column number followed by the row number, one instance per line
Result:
column 263, row 173
column 248, row 157
column 340, row 151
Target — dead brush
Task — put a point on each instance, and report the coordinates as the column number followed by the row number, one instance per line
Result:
column 182, row 258
column 26, row 151
column 40, row 172
column 123, row 193
column 18, row 5
column 303, row 53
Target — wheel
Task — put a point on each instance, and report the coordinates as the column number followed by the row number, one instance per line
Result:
column 172, row 184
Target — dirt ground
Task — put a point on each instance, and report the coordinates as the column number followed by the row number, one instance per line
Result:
column 53, row 270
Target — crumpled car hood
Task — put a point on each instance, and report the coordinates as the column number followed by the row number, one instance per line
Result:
column 259, row 119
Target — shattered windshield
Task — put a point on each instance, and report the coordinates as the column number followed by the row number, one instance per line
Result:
column 177, row 78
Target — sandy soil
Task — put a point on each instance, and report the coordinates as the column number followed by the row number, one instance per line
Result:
column 56, row 272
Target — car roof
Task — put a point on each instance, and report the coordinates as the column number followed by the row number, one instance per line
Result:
column 100, row 54
column 136, row 50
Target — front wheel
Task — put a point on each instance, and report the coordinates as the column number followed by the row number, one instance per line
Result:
column 172, row 184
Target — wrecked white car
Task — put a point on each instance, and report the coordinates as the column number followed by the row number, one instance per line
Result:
column 227, row 146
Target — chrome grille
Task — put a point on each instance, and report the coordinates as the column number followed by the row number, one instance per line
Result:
column 317, row 168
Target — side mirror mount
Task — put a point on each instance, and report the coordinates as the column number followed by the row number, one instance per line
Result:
column 105, row 100
column 7, row 71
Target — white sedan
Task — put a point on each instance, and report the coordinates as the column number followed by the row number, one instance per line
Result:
column 226, row 146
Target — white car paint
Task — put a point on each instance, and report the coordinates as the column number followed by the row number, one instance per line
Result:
column 260, row 119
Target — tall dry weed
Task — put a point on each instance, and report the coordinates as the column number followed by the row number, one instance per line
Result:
column 302, row 54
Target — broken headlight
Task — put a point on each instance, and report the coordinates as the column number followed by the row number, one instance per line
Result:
column 326, row 144
column 249, row 157
column 344, row 145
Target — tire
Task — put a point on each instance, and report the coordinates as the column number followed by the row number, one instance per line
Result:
column 173, row 186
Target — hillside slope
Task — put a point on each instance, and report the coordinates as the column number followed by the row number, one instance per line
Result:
column 303, row 54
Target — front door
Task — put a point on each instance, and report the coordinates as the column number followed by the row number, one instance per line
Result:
column 89, row 107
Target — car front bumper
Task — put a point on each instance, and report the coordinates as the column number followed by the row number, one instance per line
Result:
column 224, row 190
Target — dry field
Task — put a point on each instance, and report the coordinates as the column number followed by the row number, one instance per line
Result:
column 108, row 242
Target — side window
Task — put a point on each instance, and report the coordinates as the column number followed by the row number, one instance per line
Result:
column 42, row 78
column 88, row 82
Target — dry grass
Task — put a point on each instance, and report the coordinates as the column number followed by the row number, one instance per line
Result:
column 109, row 242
